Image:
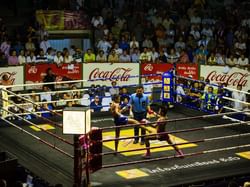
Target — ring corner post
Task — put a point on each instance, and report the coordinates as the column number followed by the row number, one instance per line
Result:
column 77, row 162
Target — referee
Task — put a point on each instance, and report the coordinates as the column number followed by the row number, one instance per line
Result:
column 139, row 106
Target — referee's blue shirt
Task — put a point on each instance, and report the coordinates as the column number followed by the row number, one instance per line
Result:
column 139, row 104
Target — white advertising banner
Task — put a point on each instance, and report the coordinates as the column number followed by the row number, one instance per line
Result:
column 14, row 75
column 104, row 73
column 231, row 76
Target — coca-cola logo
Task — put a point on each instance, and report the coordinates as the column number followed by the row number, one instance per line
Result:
column 233, row 79
column 9, row 77
column 32, row 70
column 119, row 74
column 149, row 67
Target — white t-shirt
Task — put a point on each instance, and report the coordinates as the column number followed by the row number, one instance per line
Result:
column 240, row 97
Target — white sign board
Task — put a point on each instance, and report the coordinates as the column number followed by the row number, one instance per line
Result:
column 123, row 73
column 15, row 76
column 223, row 74
column 76, row 121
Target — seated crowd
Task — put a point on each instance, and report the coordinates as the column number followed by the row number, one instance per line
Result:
column 194, row 32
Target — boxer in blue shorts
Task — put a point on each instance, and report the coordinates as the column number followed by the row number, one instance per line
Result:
column 119, row 118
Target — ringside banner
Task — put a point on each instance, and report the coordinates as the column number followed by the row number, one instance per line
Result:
column 151, row 68
column 36, row 73
column 188, row 70
column 123, row 73
column 231, row 76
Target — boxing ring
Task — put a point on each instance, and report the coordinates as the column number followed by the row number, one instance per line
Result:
column 209, row 142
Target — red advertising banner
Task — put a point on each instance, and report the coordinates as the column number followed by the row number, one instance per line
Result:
column 188, row 70
column 36, row 73
column 150, row 68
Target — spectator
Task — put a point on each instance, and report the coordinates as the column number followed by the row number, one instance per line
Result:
column 162, row 57
column 41, row 58
column 180, row 44
column 133, row 43
column 135, row 55
column 101, row 57
column 3, row 60
column 97, row 20
column 77, row 57
column 45, row 44
column 96, row 105
column 212, row 60
column 13, row 60
column 114, row 90
column 5, row 46
column 124, row 94
column 124, row 57
column 147, row 43
column 201, row 55
column 117, row 49
column 45, row 109
column 184, row 57
column 67, row 58
column 242, row 61
column 45, row 95
column 145, row 56
column 50, row 77
column 231, row 61
column 31, row 58
column 123, row 44
column 173, row 57
column 58, row 58
column 29, row 45
column 21, row 58
column 113, row 57
column 104, row 45
column 89, row 56
column 50, row 55
column 154, row 54
column 239, row 96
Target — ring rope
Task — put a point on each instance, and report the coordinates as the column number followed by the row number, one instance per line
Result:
column 30, row 102
column 175, row 131
column 38, row 138
column 48, row 132
column 175, row 120
column 177, row 144
column 175, row 156
column 39, row 93
column 236, row 100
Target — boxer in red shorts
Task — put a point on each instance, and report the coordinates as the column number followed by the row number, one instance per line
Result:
column 159, row 127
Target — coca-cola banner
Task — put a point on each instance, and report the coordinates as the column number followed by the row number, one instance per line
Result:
column 231, row 76
column 150, row 68
column 14, row 76
column 104, row 73
column 188, row 70
column 36, row 73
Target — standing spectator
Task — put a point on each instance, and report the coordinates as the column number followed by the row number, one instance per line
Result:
column 96, row 105
column 133, row 43
column 45, row 44
column 97, row 20
column 238, row 95
column 5, row 46
column 50, row 77
column 29, row 45
column 201, row 55
column 13, row 60
column 104, row 45
column 139, row 106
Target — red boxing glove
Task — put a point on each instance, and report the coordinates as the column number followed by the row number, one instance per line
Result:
column 151, row 112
